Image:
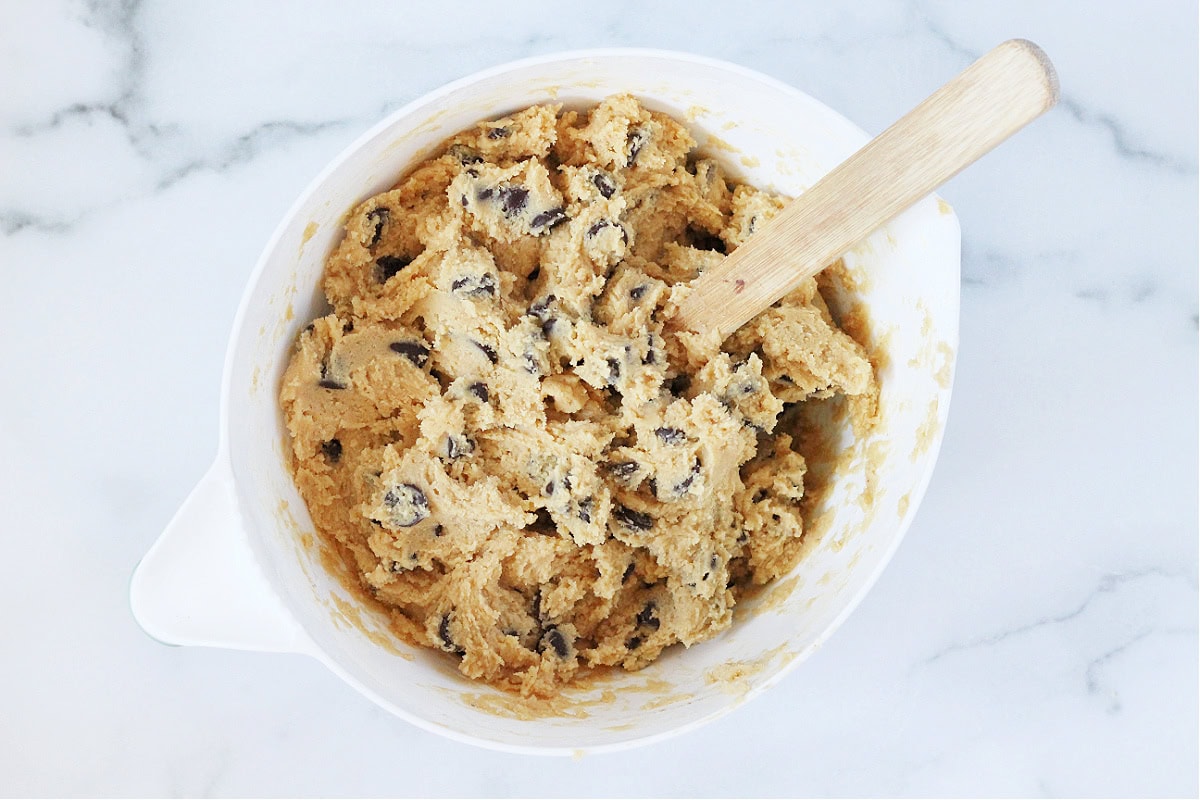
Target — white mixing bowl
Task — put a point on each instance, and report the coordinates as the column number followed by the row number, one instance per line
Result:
column 239, row 566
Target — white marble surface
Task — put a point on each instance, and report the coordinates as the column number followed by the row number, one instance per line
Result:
column 1035, row 635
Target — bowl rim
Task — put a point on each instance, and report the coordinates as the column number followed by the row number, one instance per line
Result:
column 333, row 165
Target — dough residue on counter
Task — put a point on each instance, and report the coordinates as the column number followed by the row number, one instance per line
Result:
column 498, row 429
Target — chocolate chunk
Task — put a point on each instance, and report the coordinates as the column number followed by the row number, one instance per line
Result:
column 637, row 140
column 487, row 350
column 614, row 371
column 555, row 640
column 378, row 218
column 634, row 643
column 671, row 436
column 548, row 219
column 513, row 199
column 634, row 520
column 480, row 390
column 622, row 469
column 648, row 618
column 415, row 352
column 329, row 383
column 604, row 185
column 475, row 285
column 499, row 133
column 388, row 266
column 332, row 450
column 637, row 292
column 407, row 503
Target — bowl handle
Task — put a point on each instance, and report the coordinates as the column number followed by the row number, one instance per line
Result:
column 200, row 583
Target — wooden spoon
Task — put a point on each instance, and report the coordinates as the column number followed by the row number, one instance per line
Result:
column 986, row 103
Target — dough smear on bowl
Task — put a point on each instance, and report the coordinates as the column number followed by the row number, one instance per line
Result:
column 493, row 425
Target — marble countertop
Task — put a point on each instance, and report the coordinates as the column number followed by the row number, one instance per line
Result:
column 1036, row 634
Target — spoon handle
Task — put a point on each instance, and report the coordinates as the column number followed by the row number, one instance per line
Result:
column 986, row 103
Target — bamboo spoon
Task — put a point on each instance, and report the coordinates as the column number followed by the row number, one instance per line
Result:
column 986, row 103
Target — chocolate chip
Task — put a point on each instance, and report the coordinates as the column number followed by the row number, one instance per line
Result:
column 634, row 520
column 637, row 140
column 685, row 484
column 499, row 133
column 458, row 446
column 622, row 469
column 329, row 383
column 671, row 436
column 388, row 266
column 513, row 199
column 444, row 635
column 407, row 503
column 480, row 390
column 487, row 350
column 465, row 155
column 548, row 219
column 475, row 285
column 332, row 450
column 483, row 194
column 614, row 371
column 585, row 508
column 596, row 227
column 637, row 292
column 531, row 363
column 650, row 357
column 604, row 185
column 539, row 307
column 415, row 352
column 533, row 276
column 634, row 643
column 647, row 618
column 628, row 572
column 439, row 529
column 550, row 487
column 348, row 326
column 378, row 218
column 557, row 642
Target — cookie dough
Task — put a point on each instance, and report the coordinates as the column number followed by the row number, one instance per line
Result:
column 498, row 427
